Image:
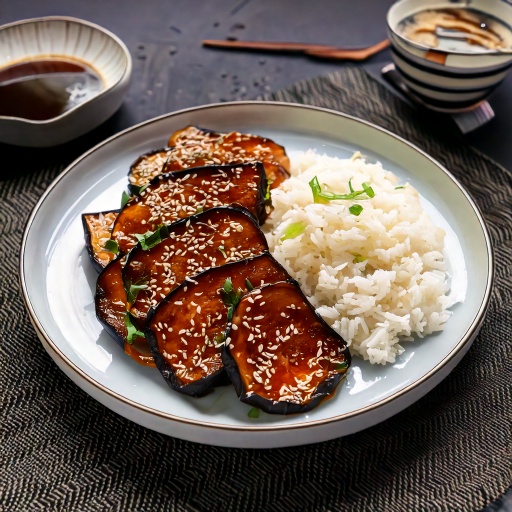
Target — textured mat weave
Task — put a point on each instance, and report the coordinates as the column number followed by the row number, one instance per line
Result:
column 61, row 450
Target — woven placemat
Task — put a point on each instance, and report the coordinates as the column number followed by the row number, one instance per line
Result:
column 61, row 450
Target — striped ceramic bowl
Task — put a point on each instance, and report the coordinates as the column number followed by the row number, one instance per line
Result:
column 77, row 40
column 456, row 77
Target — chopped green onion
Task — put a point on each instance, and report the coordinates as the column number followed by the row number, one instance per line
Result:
column 358, row 258
column 293, row 230
column 399, row 187
column 254, row 413
column 220, row 338
column 267, row 193
column 132, row 332
column 369, row 190
column 249, row 285
column 355, row 209
column 125, row 198
column 231, row 297
column 221, row 249
column 325, row 196
column 340, row 366
column 137, row 190
column 111, row 246
column 144, row 187
column 132, row 290
column 228, row 285
column 317, row 191
column 151, row 238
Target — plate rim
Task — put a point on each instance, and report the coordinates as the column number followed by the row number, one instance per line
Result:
column 459, row 349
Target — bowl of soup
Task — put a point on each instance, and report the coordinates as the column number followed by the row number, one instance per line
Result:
column 451, row 53
column 60, row 77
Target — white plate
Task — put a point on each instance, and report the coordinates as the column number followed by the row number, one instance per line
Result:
column 58, row 282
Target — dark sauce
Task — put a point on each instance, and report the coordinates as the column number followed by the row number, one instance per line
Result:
column 43, row 89
column 456, row 29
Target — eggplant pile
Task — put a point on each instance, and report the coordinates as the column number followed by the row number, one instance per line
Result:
column 197, row 147
column 187, row 284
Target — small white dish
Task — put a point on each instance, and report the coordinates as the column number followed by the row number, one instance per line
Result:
column 58, row 37
column 58, row 283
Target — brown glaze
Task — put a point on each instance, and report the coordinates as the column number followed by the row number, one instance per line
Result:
column 178, row 195
column 209, row 239
column 279, row 354
column 147, row 166
column 194, row 147
column 186, row 329
column 111, row 310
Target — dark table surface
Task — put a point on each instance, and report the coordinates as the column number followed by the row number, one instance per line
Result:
column 173, row 71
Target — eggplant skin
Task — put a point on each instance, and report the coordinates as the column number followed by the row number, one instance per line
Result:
column 292, row 345
column 171, row 334
column 196, row 389
column 110, row 301
column 97, row 228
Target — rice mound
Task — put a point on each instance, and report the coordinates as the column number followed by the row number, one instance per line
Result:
column 378, row 278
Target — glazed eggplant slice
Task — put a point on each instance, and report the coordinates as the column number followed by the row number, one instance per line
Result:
column 187, row 327
column 110, row 302
column 195, row 146
column 97, row 231
column 177, row 195
column 279, row 354
column 147, row 166
column 190, row 246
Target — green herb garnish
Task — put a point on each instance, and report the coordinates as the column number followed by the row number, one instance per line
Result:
column 254, row 413
column 220, row 338
column 340, row 366
column 111, row 246
column 267, row 193
column 133, row 289
column 355, row 209
column 369, row 190
column 249, row 285
column 358, row 258
column 231, row 297
column 133, row 333
column 137, row 190
column 324, row 196
column 399, row 187
column 293, row 230
column 317, row 192
column 125, row 198
column 151, row 238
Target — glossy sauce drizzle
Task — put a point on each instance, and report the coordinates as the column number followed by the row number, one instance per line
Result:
column 43, row 89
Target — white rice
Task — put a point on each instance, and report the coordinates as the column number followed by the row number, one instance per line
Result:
column 378, row 278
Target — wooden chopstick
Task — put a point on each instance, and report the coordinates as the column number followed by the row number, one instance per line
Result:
column 267, row 46
column 319, row 51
